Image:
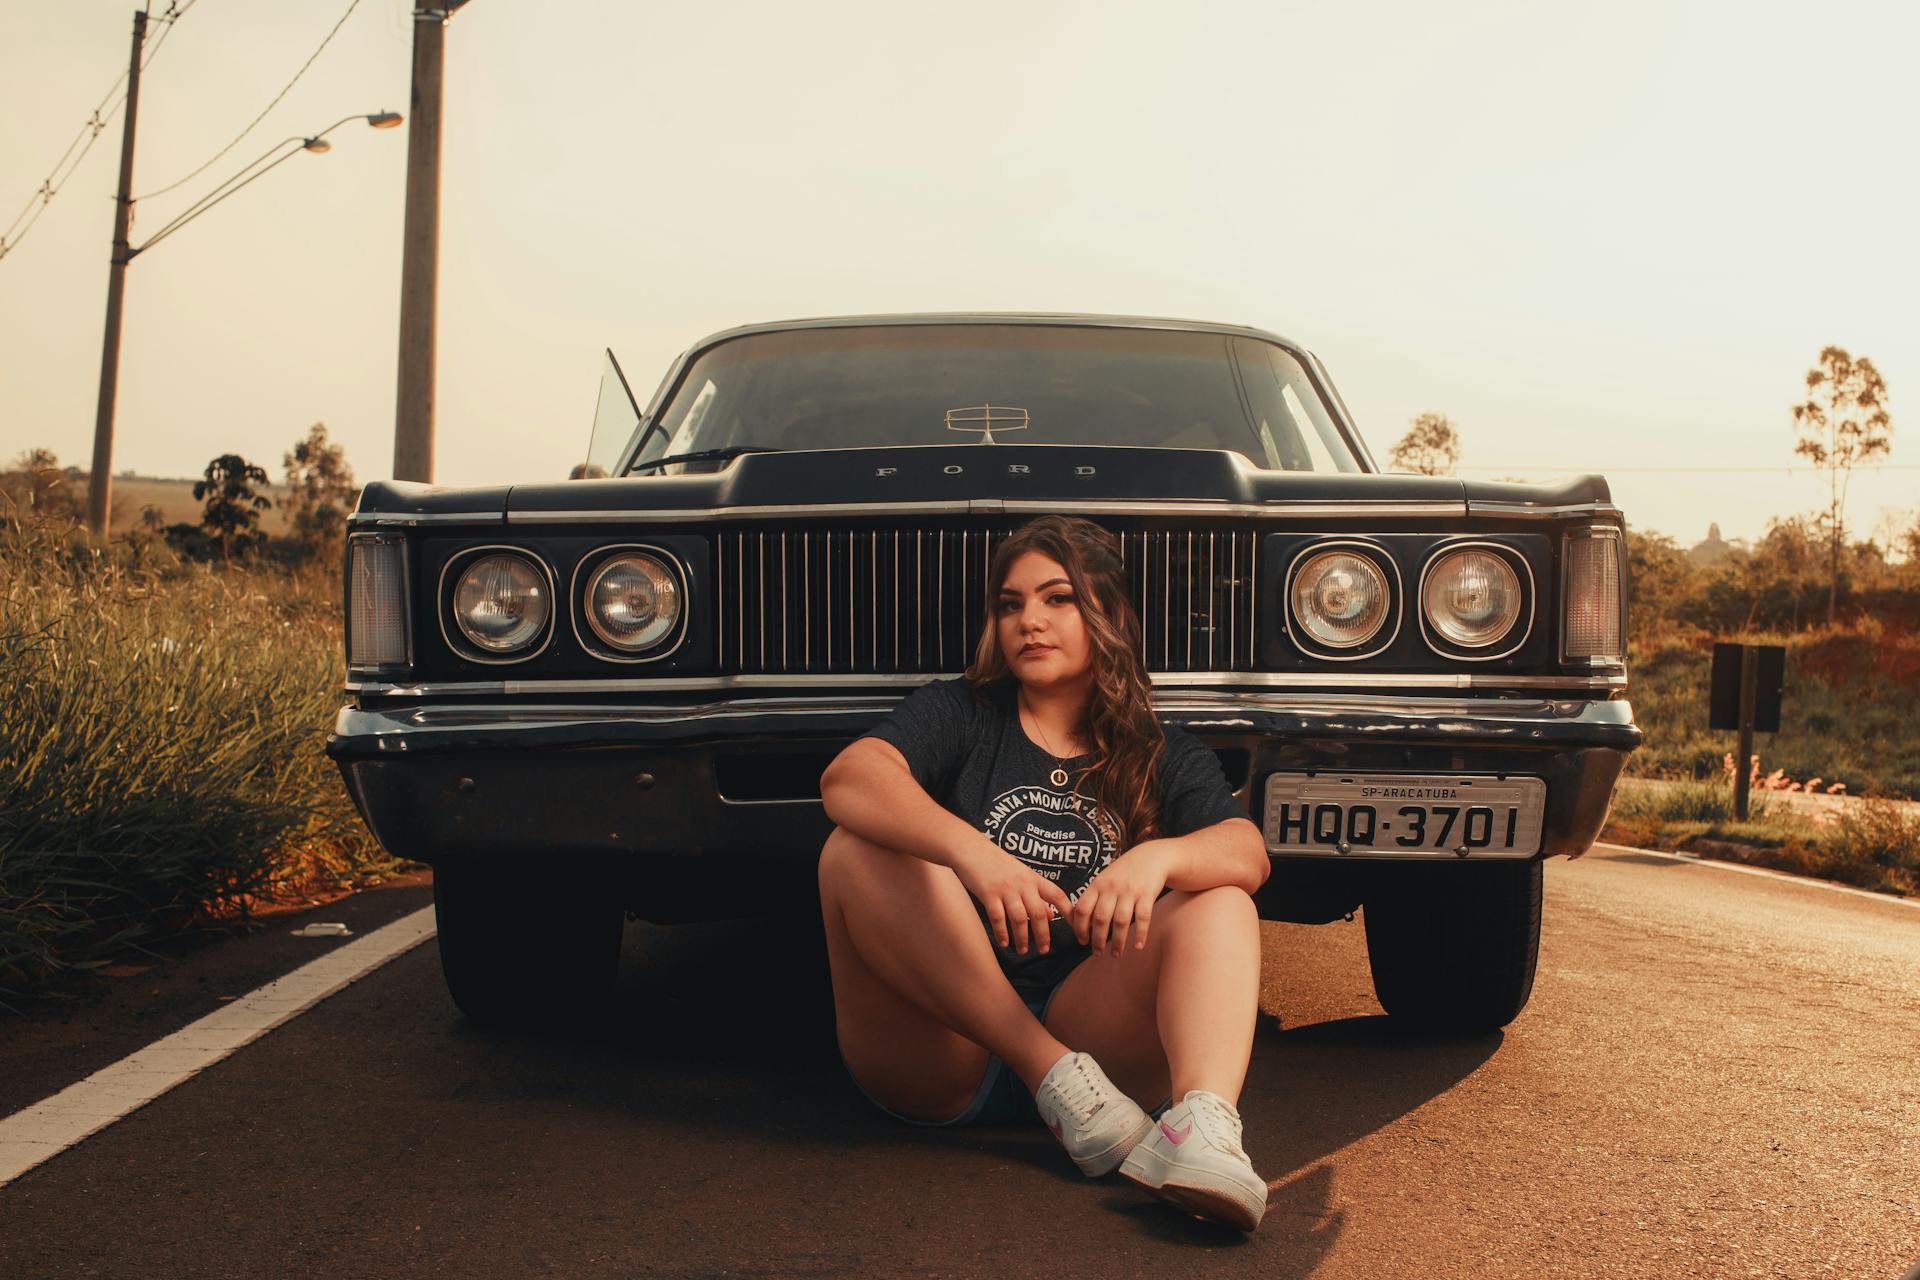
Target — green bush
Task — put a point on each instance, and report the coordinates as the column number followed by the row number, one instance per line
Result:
column 160, row 744
column 1847, row 714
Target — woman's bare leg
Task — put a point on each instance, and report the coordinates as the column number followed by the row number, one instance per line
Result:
column 1178, row 1014
column 918, row 995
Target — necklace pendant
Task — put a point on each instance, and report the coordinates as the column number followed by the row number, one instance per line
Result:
column 1058, row 777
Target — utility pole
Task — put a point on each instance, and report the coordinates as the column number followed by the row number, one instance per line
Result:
column 420, row 252
column 100, row 479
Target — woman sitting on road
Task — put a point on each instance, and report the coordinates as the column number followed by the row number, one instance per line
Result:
column 1042, row 785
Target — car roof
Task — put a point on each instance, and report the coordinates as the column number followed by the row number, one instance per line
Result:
column 1063, row 318
column 1060, row 318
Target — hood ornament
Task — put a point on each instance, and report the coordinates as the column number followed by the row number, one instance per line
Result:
column 986, row 419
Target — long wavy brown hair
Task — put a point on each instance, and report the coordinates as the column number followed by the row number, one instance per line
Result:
column 1127, row 742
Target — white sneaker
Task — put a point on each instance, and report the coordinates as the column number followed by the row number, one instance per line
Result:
column 1193, row 1159
column 1095, row 1122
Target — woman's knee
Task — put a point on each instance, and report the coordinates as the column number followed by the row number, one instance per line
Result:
column 852, row 861
column 1226, row 905
column 835, row 854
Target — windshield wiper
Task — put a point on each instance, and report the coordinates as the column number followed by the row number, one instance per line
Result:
column 704, row 455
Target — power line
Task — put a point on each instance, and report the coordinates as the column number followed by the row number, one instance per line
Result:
column 1591, row 471
column 211, row 160
column 95, row 125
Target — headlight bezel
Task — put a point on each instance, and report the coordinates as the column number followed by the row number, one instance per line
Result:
column 1522, row 627
column 1616, row 535
column 1383, row 637
column 456, row 638
column 580, row 607
column 399, row 544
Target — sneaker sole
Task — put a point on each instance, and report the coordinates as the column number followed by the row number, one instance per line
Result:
column 1101, row 1163
column 1198, row 1191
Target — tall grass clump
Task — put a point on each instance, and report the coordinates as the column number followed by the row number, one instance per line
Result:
column 1684, row 801
column 1875, row 843
column 161, row 736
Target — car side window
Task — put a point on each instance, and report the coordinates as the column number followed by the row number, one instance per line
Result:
column 1316, row 448
column 1283, row 401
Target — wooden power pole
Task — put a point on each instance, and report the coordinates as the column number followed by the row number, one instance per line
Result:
column 100, row 479
column 420, row 253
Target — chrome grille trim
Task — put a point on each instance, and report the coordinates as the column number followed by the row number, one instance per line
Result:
column 1176, row 576
column 1188, row 664
column 1276, row 509
column 1225, row 681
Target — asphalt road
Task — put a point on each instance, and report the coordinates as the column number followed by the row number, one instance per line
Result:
column 1719, row 1075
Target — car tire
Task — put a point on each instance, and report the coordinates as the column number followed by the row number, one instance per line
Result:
column 510, row 960
column 1453, row 948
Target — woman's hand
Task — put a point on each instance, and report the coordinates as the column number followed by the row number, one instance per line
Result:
column 1117, row 904
column 1019, row 901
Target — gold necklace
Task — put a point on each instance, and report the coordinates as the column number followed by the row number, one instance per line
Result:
column 1059, row 775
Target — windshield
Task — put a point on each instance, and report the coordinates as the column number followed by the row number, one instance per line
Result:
column 832, row 388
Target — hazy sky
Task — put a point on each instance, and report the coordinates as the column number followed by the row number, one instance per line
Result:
column 1607, row 238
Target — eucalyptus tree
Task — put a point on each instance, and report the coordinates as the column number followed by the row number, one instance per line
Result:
column 1843, row 423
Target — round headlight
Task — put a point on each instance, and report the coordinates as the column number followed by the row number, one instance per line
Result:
column 633, row 601
column 1472, row 598
column 501, row 603
column 1341, row 599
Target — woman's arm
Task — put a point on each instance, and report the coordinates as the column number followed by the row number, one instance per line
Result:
column 1116, row 907
column 1232, row 852
column 869, row 790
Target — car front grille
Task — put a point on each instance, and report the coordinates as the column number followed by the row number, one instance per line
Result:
column 913, row 598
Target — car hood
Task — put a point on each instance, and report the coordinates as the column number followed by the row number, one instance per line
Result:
column 963, row 473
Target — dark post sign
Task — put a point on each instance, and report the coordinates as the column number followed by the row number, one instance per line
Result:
column 1770, row 670
column 1747, row 683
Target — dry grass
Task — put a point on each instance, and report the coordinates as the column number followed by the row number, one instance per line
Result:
column 160, row 745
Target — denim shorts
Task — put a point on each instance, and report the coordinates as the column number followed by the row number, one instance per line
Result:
column 1001, row 1098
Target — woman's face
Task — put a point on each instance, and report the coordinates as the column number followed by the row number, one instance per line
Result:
column 1037, row 620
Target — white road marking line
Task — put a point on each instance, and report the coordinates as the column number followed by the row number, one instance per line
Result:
column 1770, row 874
column 50, row 1126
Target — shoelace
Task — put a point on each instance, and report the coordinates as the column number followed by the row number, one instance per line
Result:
column 1219, row 1119
column 1079, row 1093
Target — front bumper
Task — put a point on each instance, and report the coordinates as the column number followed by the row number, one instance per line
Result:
column 726, row 793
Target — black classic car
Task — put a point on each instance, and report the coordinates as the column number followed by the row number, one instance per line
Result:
column 616, row 694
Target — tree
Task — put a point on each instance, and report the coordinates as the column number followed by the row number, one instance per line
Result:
column 1430, row 448
column 320, row 488
column 233, row 508
column 1907, row 541
column 1663, row 581
column 1842, row 423
column 39, row 488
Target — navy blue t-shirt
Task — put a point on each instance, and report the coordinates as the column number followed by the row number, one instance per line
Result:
column 967, row 749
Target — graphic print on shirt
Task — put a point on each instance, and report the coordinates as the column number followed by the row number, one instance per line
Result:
column 1067, row 838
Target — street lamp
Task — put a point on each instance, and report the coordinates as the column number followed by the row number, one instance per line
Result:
column 99, row 482
column 316, row 144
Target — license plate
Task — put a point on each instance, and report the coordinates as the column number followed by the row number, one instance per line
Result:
column 1393, row 814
